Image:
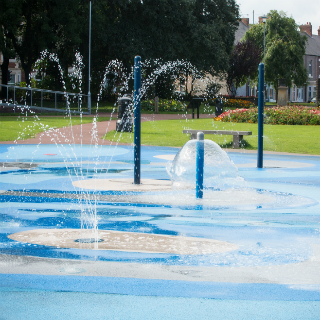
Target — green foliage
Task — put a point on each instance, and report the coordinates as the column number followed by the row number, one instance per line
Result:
column 275, row 116
column 38, row 25
column 213, row 89
column 231, row 103
column 21, row 94
column 243, row 64
column 33, row 84
column 164, row 105
column 237, row 103
column 285, row 48
column 166, row 29
column 198, row 31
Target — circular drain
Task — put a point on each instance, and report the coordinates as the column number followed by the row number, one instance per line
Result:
column 88, row 240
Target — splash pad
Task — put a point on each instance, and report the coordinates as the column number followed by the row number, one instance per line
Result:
column 271, row 226
column 274, row 248
column 110, row 201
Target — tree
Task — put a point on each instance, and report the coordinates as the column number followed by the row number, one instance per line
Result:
column 5, row 43
column 243, row 63
column 285, row 48
column 35, row 25
column 199, row 31
column 211, row 34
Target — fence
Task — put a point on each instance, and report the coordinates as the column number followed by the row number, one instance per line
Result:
column 44, row 100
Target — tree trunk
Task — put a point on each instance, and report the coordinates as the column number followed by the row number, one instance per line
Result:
column 4, row 73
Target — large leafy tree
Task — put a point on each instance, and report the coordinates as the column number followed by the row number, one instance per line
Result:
column 6, row 16
column 198, row 31
column 212, row 33
column 284, row 49
column 32, row 26
column 243, row 64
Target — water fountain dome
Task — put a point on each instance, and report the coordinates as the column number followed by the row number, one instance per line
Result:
column 219, row 170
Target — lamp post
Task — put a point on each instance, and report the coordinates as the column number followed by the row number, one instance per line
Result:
column 89, row 64
column 261, row 100
column 264, row 19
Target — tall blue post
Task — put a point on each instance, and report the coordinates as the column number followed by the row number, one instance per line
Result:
column 89, row 64
column 200, row 165
column 137, row 119
column 260, row 115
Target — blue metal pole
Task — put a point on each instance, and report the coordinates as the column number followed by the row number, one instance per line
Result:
column 89, row 64
column 200, row 165
column 260, row 115
column 137, row 119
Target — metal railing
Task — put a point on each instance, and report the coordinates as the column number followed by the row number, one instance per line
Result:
column 46, row 100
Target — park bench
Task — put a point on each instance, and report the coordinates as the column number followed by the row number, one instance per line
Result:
column 237, row 135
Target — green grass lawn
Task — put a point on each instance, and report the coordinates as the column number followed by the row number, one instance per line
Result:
column 12, row 128
column 293, row 139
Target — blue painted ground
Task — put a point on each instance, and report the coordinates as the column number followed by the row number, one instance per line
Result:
column 267, row 235
column 85, row 298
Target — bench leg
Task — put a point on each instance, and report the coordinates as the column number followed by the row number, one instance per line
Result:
column 236, row 141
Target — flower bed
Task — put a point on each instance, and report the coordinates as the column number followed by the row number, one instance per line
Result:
column 294, row 115
column 164, row 105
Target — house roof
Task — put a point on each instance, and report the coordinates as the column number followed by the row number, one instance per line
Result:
column 240, row 32
column 313, row 44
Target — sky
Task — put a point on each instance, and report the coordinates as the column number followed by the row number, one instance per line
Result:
column 301, row 11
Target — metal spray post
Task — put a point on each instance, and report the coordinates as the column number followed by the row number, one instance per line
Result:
column 137, row 119
column 200, row 165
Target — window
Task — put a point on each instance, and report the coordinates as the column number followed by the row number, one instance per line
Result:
column 310, row 68
column 309, row 93
column 300, row 94
column 294, row 93
column 13, row 79
column 271, row 94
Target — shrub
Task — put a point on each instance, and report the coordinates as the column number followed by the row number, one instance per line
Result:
column 22, row 94
column 237, row 103
column 164, row 105
column 294, row 115
column 232, row 103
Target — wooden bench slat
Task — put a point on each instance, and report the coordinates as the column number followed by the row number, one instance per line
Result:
column 227, row 132
column 237, row 135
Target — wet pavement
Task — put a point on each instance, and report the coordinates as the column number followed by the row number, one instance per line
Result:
column 273, row 224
